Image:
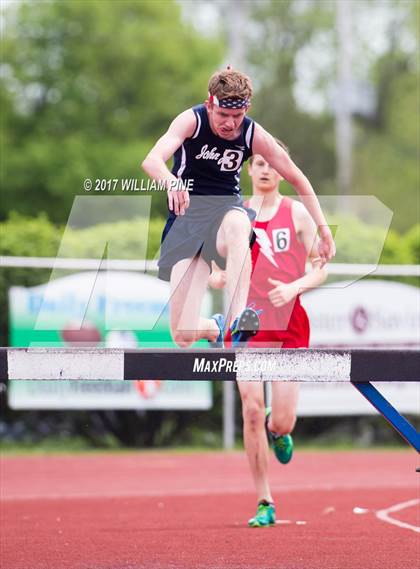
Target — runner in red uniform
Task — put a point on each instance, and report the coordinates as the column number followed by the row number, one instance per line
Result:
column 285, row 239
column 279, row 253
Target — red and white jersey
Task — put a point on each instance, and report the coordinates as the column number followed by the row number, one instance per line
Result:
column 277, row 253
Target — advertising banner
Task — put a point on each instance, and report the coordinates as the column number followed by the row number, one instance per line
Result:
column 111, row 309
column 363, row 314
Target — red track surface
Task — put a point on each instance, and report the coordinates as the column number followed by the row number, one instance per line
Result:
column 166, row 511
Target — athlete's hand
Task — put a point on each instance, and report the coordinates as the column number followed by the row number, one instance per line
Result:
column 178, row 201
column 282, row 293
column 217, row 278
column 326, row 245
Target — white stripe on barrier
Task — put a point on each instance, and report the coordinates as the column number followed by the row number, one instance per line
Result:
column 316, row 366
column 60, row 363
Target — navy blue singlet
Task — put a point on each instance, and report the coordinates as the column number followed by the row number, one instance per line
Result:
column 213, row 163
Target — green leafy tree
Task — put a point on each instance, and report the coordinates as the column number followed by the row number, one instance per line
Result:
column 386, row 157
column 388, row 148
column 387, row 145
column 86, row 87
column 412, row 240
column 282, row 29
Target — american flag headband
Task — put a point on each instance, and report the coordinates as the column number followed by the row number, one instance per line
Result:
column 229, row 102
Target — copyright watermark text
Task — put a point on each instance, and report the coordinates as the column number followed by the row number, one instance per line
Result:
column 136, row 185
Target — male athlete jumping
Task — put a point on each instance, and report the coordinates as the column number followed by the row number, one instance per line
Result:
column 285, row 239
column 210, row 142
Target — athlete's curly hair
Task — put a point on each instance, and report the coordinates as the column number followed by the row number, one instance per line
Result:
column 230, row 83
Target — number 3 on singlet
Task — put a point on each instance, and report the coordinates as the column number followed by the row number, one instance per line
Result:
column 231, row 160
column 281, row 239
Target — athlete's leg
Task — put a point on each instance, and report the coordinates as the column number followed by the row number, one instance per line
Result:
column 255, row 438
column 233, row 243
column 284, row 398
column 188, row 285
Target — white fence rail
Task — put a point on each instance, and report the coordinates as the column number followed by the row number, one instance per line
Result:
column 346, row 269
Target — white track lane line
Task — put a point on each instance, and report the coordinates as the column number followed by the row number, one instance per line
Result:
column 383, row 515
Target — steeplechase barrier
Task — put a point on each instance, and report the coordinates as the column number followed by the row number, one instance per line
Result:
column 360, row 367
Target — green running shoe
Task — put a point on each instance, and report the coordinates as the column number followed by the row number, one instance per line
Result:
column 282, row 445
column 265, row 516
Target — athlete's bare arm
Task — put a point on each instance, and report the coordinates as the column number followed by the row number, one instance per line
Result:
column 282, row 293
column 154, row 164
column 306, row 231
column 278, row 159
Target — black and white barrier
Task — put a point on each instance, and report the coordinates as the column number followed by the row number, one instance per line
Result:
column 243, row 364
column 358, row 367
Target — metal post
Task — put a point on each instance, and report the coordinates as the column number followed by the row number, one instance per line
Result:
column 400, row 424
column 228, row 414
column 343, row 119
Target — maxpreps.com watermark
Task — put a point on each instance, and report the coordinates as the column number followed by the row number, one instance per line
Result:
column 136, row 185
column 205, row 365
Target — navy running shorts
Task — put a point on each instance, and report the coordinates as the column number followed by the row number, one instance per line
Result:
column 195, row 233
